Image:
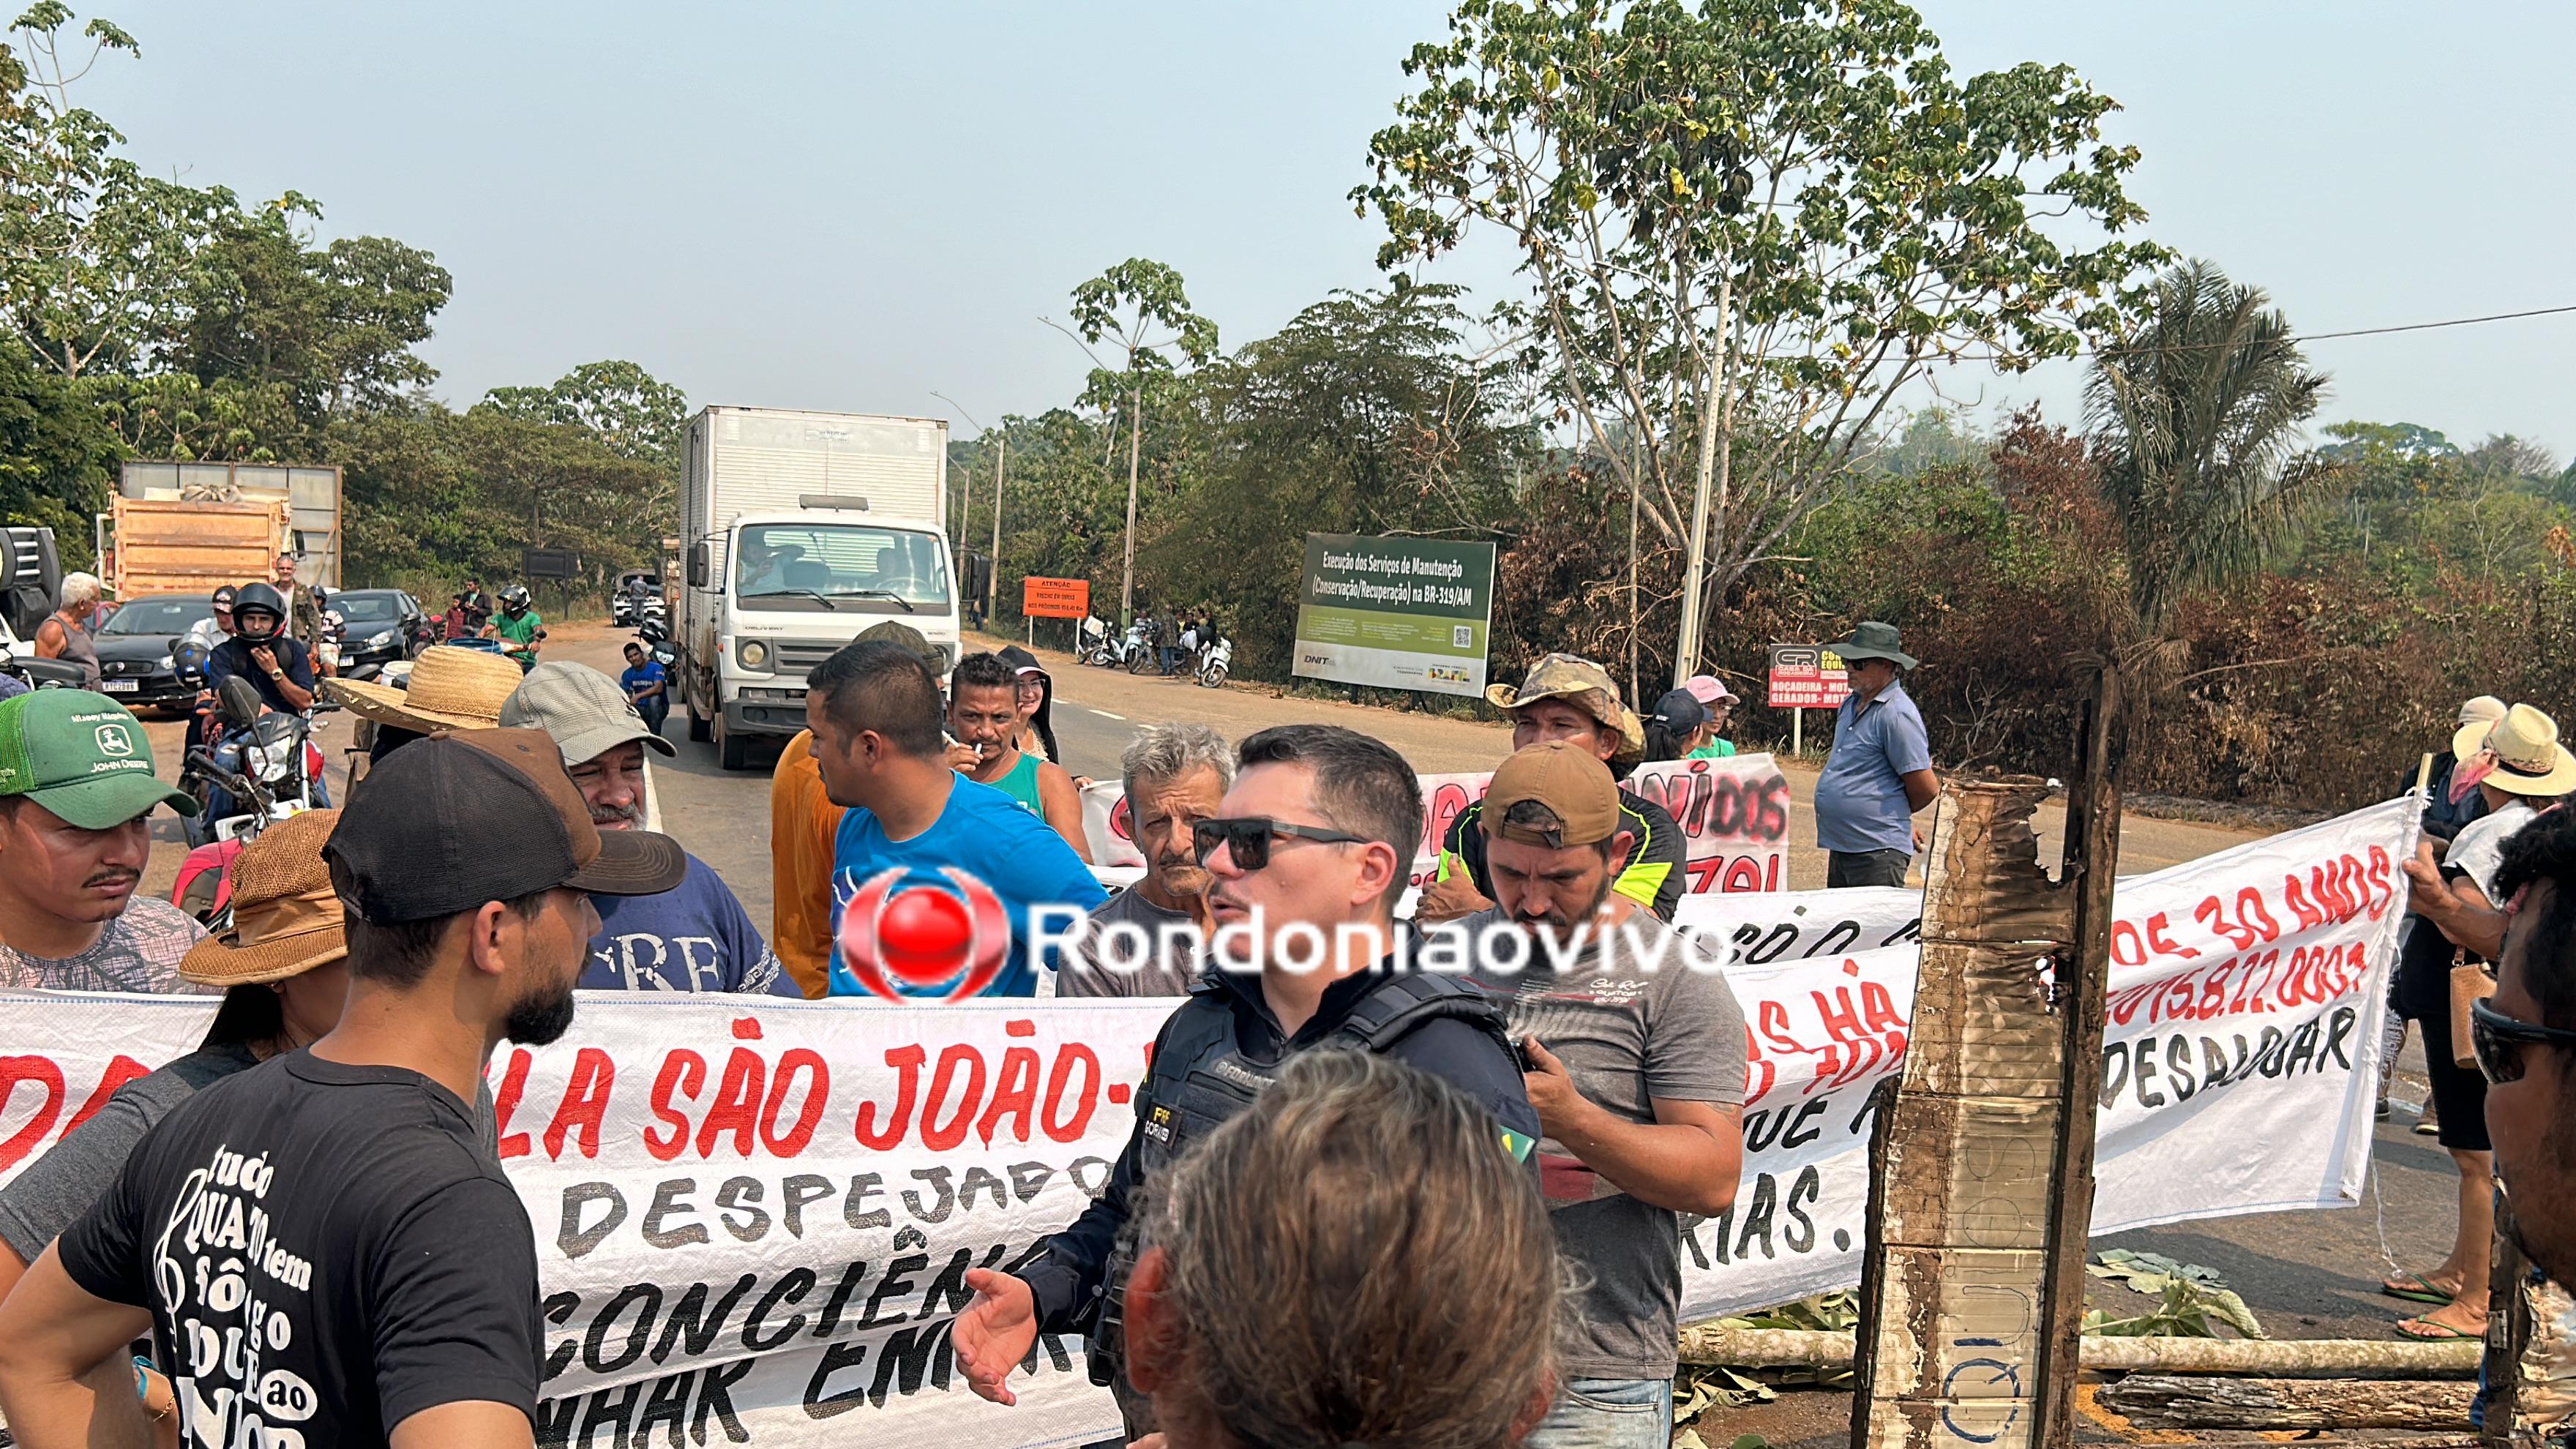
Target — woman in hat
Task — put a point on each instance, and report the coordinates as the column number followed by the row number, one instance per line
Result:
column 1719, row 701
column 1037, row 704
column 2521, row 769
column 1679, row 726
column 282, row 968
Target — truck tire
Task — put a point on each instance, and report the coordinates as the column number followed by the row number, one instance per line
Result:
column 732, row 750
column 699, row 733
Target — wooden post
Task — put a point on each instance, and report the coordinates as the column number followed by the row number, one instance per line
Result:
column 1982, row 1156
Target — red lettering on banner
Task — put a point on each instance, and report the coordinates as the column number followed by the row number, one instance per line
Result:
column 2209, row 913
column 2383, row 890
column 120, row 1070
column 1774, row 1019
column 1085, row 1100
column 737, row 1105
column 809, row 1113
column 939, row 1138
column 1443, row 809
column 514, row 1083
column 585, row 1103
column 2159, row 937
column 1759, row 1072
column 2126, row 948
column 906, row 1061
column 1122, row 824
column 48, row 1078
column 1015, row 1094
column 2309, row 916
column 683, row 1072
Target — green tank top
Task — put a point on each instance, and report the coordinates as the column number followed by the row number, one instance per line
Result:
column 1021, row 784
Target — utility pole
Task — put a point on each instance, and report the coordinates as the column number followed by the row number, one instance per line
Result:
column 1001, row 462
column 1715, row 445
column 1135, row 439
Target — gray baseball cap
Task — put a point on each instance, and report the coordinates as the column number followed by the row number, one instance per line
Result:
column 584, row 710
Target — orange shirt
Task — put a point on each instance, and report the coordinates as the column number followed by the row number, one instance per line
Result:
column 802, row 822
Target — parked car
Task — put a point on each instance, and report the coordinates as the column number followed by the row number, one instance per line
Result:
column 383, row 625
column 134, row 649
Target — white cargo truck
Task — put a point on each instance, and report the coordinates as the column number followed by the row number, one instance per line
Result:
column 801, row 531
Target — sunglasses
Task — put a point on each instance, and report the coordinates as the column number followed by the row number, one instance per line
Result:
column 2494, row 1037
column 1248, row 837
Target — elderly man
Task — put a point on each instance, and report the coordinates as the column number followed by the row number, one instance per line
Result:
column 1145, row 940
column 76, row 790
column 1309, row 852
column 305, row 621
column 66, row 632
column 1636, row 1051
column 692, row 937
column 1572, row 699
column 1880, row 772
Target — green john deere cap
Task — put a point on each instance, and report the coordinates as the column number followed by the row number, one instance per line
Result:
column 81, row 756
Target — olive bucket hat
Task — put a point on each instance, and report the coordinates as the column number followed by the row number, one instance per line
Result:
column 1874, row 640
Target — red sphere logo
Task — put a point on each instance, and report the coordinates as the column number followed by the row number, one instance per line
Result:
column 922, row 936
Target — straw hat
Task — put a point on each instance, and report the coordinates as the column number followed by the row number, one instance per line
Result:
column 2528, row 758
column 1580, row 683
column 451, row 689
column 286, row 918
column 2477, row 716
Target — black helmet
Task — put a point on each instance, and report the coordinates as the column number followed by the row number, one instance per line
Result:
column 259, row 599
column 515, row 598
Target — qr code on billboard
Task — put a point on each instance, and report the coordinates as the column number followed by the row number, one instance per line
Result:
column 1462, row 636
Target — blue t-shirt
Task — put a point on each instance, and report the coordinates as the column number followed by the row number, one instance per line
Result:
column 984, row 833
column 692, row 937
column 642, row 676
column 1860, row 798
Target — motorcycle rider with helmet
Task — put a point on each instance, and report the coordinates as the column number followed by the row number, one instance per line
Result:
column 262, row 653
column 518, row 626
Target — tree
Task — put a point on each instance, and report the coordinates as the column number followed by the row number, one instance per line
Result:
column 633, row 414
column 1787, row 209
column 2195, row 417
column 1128, row 305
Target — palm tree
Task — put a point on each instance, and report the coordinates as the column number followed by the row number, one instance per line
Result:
column 2195, row 419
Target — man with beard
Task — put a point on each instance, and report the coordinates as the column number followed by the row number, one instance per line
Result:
column 696, row 937
column 1636, row 1052
column 76, row 797
column 358, row 1255
column 984, row 718
column 2525, row 1037
column 1143, row 941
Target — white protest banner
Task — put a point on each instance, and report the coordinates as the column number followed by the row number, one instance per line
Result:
column 1758, row 928
column 1734, row 814
column 754, row 1216
column 2240, row 1058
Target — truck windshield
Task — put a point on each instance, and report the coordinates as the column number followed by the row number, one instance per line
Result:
column 839, row 566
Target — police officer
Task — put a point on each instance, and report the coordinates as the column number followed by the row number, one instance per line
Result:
column 1308, row 854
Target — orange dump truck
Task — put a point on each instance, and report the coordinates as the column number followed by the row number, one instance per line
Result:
column 190, row 528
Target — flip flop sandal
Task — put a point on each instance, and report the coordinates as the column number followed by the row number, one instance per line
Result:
column 2424, row 1330
column 2428, row 1128
column 2424, row 1290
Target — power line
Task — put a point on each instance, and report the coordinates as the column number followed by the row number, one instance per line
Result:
column 2429, row 326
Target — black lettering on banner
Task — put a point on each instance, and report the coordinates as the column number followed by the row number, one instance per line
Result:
column 830, row 1322
column 667, row 1201
column 559, row 1309
column 2178, row 1067
column 895, row 1281
column 691, row 1321
column 981, row 1179
column 788, row 1290
column 836, row 1357
column 572, row 1238
column 2338, row 1030
column 948, row 1292
column 1028, row 1178
column 1793, row 1138
column 668, row 1403
column 1840, row 934
column 715, row 1396
column 742, row 1195
column 683, row 1401
column 937, row 1177
column 1757, row 1218
column 795, row 1194
column 1808, row 1186
column 908, row 1356
column 594, row 1345
column 2144, row 1059
column 2303, row 1048
column 2321, row 1043
column 613, row 1409
column 854, row 1209
column 1092, row 1173
column 2115, row 1070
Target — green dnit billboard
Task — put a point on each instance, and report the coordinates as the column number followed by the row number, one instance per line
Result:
column 1398, row 613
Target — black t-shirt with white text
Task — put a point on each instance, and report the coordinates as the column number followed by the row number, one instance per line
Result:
column 325, row 1249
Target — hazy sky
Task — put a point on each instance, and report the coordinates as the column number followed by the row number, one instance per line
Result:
column 846, row 207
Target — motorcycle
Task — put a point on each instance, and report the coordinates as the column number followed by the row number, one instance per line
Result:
column 1214, row 661
column 1136, row 652
column 655, row 636
column 268, row 765
column 1093, row 646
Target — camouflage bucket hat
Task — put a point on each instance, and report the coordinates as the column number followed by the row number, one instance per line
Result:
column 1581, row 683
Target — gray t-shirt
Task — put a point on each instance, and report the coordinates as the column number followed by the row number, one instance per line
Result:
column 139, row 952
column 1082, row 968
column 1628, row 1034
column 58, row 1187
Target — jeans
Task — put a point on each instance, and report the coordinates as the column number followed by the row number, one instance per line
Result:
column 1865, row 868
column 1608, row 1414
column 1171, row 657
column 655, row 709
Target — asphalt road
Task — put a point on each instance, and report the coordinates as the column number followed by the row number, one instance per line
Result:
column 2306, row 1274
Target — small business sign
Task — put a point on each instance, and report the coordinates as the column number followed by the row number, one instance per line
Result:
column 1806, row 676
column 1055, row 598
